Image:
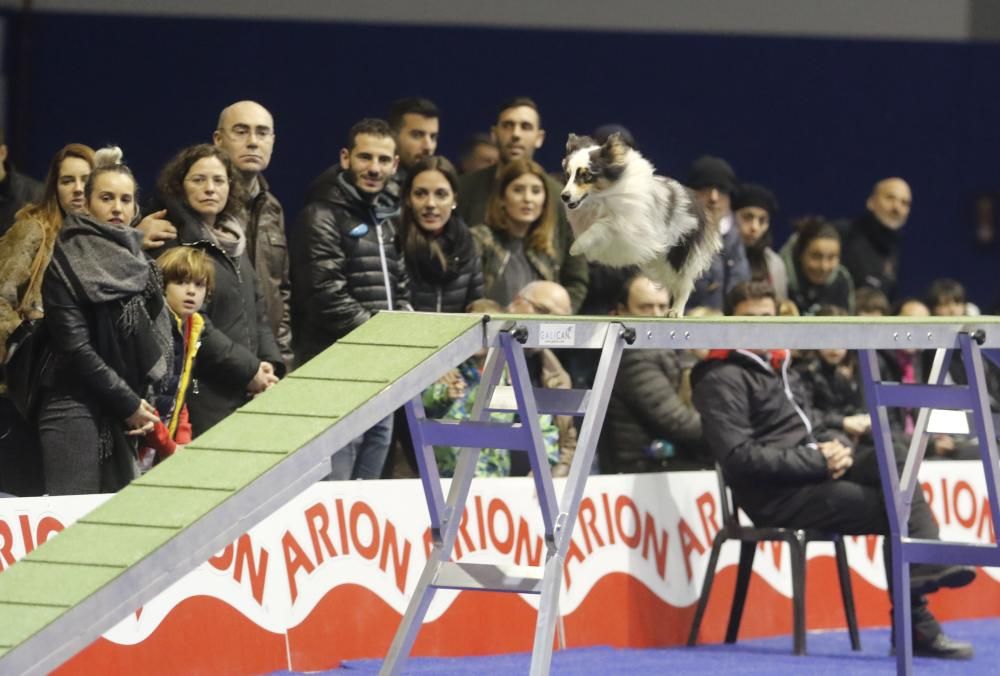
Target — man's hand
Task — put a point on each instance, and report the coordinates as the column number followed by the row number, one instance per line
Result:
column 839, row 458
column 156, row 230
column 263, row 379
column 454, row 383
column 856, row 425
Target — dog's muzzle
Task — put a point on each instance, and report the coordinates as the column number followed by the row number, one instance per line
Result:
column 568, row 200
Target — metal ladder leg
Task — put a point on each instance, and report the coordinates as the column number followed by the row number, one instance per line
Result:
column 448, row 515
column 548, row 608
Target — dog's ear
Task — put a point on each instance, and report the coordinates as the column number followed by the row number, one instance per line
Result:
column 614, row 149
column 574, row 143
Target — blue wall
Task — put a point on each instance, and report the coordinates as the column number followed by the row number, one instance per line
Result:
column 817, row 120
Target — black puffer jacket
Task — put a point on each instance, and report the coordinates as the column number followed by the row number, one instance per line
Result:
column 760, row 437
column 236, row 309
column 645, row 407
column 346, row 264
column 450, row 290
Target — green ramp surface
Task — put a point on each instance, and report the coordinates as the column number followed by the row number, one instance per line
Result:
column 66, row 593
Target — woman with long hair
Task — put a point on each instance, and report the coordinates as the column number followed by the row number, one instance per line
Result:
column 517, row 243
column 444, row 268
column 445, row 276
column 204, row 202
column 110, row 335
column 26, row 248
column 25, row 251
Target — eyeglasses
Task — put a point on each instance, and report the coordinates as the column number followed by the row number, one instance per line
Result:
column 242, row 132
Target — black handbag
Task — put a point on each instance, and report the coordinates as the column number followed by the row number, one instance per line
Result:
column 26, row 366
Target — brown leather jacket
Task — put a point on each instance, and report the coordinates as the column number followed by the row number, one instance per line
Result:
column 267, row 246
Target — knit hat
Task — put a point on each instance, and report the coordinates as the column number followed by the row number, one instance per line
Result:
column 712, row 172
column 755, row 195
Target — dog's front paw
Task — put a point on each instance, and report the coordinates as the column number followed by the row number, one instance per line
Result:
column 576, row 249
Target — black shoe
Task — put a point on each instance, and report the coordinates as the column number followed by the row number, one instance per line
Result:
column 928, row 578
column 942, row 647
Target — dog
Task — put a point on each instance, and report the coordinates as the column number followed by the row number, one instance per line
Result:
column 623, row 214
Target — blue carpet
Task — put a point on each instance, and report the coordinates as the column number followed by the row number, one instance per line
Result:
column 829, row 653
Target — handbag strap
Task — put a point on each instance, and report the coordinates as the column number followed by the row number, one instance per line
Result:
column 38, row 266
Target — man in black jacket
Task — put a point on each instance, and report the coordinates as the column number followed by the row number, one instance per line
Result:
column 347, row 267
column 785, row 469
column 649, row 427
column 871, row 245
column 16, row 189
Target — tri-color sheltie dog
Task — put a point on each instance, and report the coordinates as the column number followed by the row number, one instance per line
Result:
column 623, row 214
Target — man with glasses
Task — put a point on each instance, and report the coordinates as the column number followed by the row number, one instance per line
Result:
column 246, row 133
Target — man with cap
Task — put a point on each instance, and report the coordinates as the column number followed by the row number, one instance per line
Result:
column 754, row 207
column 714, row 182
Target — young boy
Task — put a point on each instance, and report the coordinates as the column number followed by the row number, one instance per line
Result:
column 188, row 278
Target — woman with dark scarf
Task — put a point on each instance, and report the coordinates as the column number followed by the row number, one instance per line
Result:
column 104, row 312
column 445, row 276
column 445, row 271
column 204, row 202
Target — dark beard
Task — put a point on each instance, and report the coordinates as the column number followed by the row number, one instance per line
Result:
column 352, row 178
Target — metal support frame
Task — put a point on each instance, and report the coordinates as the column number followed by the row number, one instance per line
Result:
column 899, row 490
column 559, row 516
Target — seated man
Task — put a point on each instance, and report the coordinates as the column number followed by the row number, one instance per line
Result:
column 649, row 428
column 787, row 470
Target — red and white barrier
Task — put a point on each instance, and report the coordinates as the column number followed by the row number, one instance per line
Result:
column 327, row 577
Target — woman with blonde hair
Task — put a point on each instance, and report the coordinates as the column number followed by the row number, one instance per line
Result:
column 109, row 334
column 517, row 242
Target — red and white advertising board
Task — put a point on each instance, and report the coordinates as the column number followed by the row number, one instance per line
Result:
column 327, row 577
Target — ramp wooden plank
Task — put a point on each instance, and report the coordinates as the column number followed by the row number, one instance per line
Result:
column 264, row 432
column 212, row 470
column 52, row 584
column 21, row 622
column 97, row 544
column 348, row 361
column 412, row 329
column 143, row 505
column 323, row 398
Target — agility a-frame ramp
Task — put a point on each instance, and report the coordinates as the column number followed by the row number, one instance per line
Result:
column 66, row 593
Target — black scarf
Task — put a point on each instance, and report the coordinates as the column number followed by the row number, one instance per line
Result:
column 456, row 248
column 883, row 238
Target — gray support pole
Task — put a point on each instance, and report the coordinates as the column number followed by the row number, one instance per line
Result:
column 451, row 518
column 897, row 511
column 983, row 420
column 593, row 420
